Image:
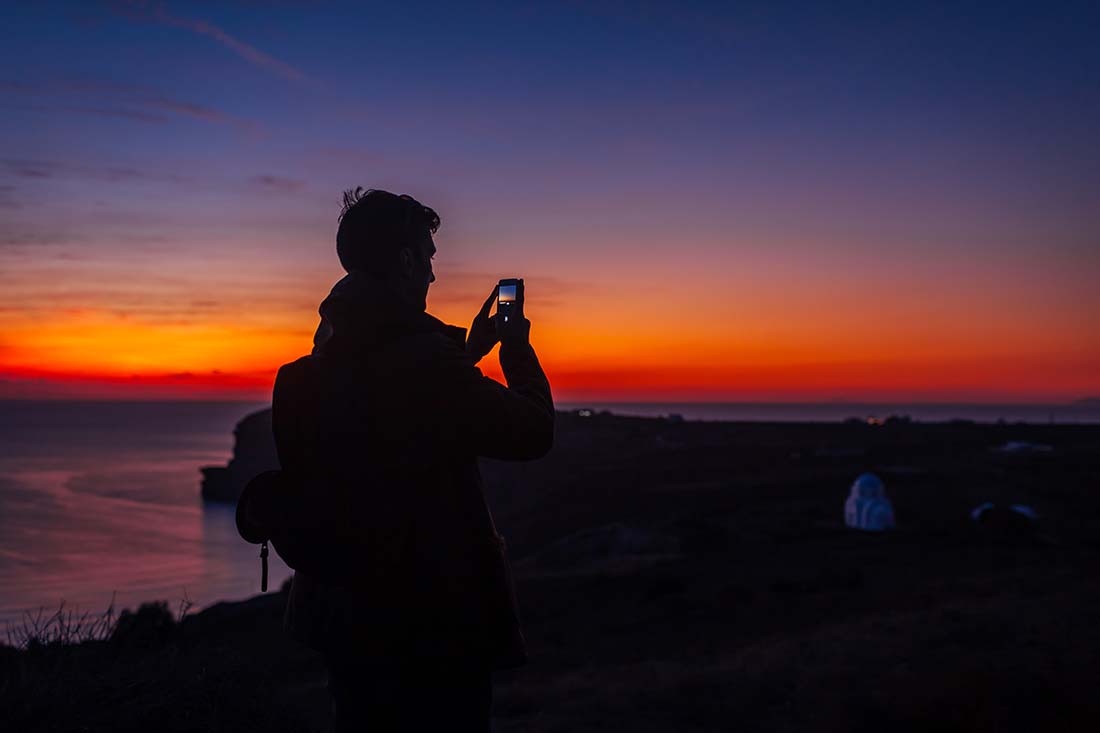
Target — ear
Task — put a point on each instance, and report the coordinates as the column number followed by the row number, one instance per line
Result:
column 405, row 260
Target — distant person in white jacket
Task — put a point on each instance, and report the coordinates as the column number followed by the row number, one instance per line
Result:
column 867, row 507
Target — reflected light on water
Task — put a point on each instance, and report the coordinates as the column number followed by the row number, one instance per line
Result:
column 98, row 499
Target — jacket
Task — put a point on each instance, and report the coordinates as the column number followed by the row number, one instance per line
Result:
column 381, row 428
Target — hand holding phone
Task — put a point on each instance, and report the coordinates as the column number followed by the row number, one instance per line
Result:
column 482, row 336
column 510, row 322
column 510, row 299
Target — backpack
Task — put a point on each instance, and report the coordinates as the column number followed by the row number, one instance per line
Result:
column 258, row 510
column 272, row 500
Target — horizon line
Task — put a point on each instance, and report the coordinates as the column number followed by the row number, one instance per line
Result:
column 835, row 401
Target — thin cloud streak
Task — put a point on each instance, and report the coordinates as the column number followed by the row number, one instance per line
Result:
column 256, row 57
column 278, row 184
column 7, row 197
column 47, row 169
column 33, row 240
column 127, row 101
column 196, row 111
column 126, row 114
column 34, row 170
column 247, row 52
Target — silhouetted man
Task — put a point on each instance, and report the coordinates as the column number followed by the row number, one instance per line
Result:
column 409, row 594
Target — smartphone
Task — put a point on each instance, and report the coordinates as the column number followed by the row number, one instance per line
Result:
column 510, row 298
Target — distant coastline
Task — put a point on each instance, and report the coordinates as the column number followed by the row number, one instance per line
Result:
column 1079, row 412
column 1082, row 411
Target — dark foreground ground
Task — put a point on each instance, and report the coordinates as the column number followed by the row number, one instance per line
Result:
column 698, row 577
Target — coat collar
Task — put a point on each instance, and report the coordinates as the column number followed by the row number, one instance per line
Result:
column 361, row 313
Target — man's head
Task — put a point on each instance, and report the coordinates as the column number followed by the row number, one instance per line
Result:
column 389, row 237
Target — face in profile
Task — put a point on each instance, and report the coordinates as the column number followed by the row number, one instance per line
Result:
column 421, row 274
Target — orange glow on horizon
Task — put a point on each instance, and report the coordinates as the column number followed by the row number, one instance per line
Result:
column 674, row 342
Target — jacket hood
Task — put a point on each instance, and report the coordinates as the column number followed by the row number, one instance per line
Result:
column 361, row 313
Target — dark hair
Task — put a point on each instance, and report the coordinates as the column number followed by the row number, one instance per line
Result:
column 375, row 224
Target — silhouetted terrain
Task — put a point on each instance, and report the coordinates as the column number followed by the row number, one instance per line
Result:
column 253, row 453
column 680, row 576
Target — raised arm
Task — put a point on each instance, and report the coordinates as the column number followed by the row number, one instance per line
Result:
column 482, row 416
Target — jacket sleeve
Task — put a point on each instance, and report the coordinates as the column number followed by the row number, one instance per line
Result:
column 482, row 416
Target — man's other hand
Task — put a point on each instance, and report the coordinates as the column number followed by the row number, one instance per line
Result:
column 482, row 336
column 517, row 331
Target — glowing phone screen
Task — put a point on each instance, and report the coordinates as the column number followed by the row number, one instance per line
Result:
column 507, row 294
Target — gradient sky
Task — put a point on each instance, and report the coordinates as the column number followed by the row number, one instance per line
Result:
column 750, row 201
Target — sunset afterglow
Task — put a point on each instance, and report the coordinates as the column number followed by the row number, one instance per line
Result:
column 704, row 206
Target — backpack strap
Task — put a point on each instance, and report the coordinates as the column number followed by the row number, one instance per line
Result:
column 263, row 567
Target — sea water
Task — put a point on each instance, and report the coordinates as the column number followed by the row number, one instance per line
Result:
column 100, row 500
